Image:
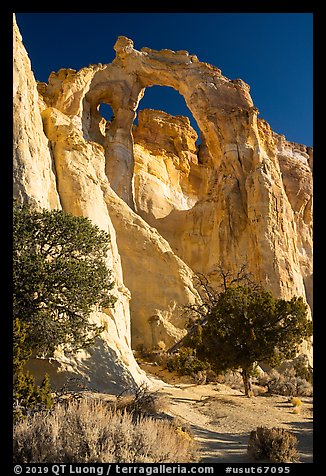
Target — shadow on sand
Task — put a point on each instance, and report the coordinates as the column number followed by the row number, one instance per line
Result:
column 304, row 432
column 227, row 448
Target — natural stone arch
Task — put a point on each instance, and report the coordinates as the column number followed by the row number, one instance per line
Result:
column 166, row 99
column 222, row 108
column 212, row 99
column 228, row 121
column 98, row 126
column 106, row 111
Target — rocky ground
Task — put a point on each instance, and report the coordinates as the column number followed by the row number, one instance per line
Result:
column 221, row 417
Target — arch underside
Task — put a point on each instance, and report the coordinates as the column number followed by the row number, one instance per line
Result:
column 235, row 186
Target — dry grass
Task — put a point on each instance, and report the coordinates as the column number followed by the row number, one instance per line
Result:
column 275, row 444
column 88, row 431
column 141, row 401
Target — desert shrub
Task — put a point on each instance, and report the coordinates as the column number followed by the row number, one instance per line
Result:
column 212, row 376
column 200, row 377
column 185, row 362
column 275, row 444
column 29, row 397
column 296, row 402
column 302, row 368
column 74, row 388
column 162, row 358
column 231, row 378
column 88, row 431
column 286, row 383
column 141, row 401
column 161, row 345
column 184, row 425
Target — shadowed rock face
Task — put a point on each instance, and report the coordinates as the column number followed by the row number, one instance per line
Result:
column 172, row 208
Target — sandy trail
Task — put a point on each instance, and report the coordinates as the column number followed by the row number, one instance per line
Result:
column 221, row 419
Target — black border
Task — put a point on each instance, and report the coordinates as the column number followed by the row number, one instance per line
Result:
column 6, row 194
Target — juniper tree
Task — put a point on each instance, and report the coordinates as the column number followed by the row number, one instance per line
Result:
column 27, row 395
column 244, row 324
column 59, row 277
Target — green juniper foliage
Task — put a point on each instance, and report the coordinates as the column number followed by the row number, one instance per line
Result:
column 246, row 325
column 59, row 276
column 185, row 362
column 28, row 396
column 21, row 352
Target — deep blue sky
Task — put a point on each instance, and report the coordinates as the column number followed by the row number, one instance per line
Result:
column 272, row 52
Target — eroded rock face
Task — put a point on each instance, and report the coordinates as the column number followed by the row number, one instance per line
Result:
column 167, row 174
column 241, row 212
column 34, row 178
column 68, row 175
column 235, row 209
column 174, row 208
column 158, row 280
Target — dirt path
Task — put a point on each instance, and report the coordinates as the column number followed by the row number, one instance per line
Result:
column 221, row 419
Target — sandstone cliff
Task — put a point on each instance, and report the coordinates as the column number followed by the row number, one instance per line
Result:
column 172, row 208
column 235, row 212
column 110, row 365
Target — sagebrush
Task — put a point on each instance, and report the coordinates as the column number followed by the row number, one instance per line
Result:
column 89, row 431
column 141, row 401
column 275, row 444
column 286, row 383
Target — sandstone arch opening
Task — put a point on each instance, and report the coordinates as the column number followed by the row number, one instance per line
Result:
column 106, row 111
column 167, row 173
column 99, row 117
column 105, row 118
column 169, row 100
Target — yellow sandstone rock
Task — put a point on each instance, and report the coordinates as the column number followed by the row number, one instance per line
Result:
column 33, row 179
column 172, row 208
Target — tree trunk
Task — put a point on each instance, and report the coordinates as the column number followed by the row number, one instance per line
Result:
column 247, row 382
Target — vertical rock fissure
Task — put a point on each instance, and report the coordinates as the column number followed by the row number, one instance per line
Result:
column 54, row 170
